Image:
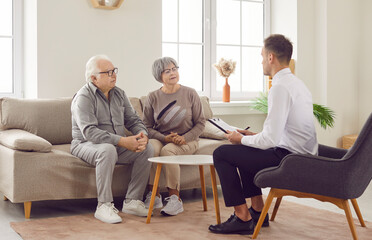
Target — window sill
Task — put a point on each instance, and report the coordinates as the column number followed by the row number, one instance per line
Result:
column 232, row 108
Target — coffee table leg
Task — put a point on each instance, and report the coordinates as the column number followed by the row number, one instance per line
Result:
column 215, row 194
column 154, row 190
column 202, row 183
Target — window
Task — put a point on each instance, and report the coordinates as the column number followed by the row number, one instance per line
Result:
column 197, row 33
column 10, row 48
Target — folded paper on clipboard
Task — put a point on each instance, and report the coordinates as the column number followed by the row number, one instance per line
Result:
column 219, row 123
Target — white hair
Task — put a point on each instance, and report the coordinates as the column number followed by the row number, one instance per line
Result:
column 159, row 66
column 91, row 67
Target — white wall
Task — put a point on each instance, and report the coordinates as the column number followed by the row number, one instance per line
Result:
column 365, row 77
column 305, row 31
column 284, row 20
column 343, row 50
column 328, row 53
column 69, row 32
column 30, row 49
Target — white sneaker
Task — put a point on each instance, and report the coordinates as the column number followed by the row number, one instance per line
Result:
column 135, row 207
column 158, row 201
column 173, row 207
column 107, row 213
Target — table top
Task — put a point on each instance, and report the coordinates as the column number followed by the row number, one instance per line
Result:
column 184, row 159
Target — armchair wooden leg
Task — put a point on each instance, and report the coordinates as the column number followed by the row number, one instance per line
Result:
column 27, row 208
column 276, row 207
column 5, row 199
column 263, row 213
column 202, row 183
column 349, row 218
column 357, row 211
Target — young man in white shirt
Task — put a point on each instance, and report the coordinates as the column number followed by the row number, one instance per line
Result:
column 288, row 128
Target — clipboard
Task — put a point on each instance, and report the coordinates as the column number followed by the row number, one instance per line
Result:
column 223, row 126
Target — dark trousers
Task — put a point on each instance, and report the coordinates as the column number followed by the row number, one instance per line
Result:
column 229, row 159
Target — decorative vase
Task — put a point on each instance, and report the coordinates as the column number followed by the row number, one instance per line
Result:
column 226, row 92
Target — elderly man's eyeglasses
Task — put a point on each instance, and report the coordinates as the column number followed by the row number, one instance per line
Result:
column 111, row 72
column 168, row 71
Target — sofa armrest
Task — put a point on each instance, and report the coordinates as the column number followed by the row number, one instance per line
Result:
column 331, row 152
column 307, row 173
column 18, row 139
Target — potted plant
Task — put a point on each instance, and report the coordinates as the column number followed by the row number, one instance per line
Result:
column 324, row 115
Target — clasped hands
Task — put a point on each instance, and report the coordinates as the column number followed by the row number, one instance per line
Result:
column 136, row 143
column 175, row 138
column 236, row 136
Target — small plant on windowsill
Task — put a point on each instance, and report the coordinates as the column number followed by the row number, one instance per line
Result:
column 324, row 115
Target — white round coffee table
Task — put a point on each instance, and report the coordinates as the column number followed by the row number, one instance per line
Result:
column 199, row 160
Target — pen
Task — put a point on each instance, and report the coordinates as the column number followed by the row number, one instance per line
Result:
column 246, row 128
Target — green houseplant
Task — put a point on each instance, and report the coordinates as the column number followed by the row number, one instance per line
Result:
column 324, row 115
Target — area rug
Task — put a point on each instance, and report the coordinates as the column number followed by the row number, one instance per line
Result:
column 293, row 221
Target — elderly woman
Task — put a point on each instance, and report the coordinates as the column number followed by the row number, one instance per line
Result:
column 173, row 115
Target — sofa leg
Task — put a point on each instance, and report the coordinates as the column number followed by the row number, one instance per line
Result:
column 27, row 207
column 5, row 199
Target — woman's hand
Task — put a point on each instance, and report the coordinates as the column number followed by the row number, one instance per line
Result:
column 179, row 140
column 246, row 132
column 175, row 138
column 169, row 138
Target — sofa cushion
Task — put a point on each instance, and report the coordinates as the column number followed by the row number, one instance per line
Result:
column 207, row 146
column 213, row 132
column 18, row 139
column 156, row 145
column 206, row 107
column 136, row 104
column 62, row 147
column 46, row 118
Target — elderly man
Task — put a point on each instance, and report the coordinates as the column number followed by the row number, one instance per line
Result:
column 100, row 111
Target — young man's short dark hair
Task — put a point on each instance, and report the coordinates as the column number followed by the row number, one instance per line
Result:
column 280, row 46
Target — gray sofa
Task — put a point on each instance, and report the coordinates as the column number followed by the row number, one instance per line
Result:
column 35, row 159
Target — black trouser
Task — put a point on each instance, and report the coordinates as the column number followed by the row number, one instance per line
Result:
column 228, row 159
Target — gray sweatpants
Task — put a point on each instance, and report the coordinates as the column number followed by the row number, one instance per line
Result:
column 104, row 156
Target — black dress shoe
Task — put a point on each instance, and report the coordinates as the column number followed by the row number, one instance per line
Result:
column 233, row 225
column 256, row 215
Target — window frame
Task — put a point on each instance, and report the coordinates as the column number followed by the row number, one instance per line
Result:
column 242, row 96
column 17, row 40
column 210, row 50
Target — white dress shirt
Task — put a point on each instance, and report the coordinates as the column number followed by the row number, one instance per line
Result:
column 290, row 120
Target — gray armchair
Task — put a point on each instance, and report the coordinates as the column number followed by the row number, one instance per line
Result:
column 335, row 176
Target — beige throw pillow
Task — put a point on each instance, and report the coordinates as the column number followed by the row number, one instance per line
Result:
column 18, row 139
column 211, row 131
column 49, row 119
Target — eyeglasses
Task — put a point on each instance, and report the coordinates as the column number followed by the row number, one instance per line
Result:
column 168, row 71
column 111, row 72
